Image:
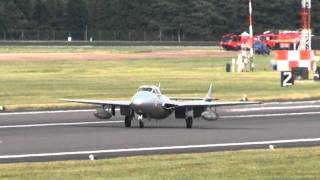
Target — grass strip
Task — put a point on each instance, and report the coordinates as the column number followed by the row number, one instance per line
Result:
column 300, row 163
column 28, row 84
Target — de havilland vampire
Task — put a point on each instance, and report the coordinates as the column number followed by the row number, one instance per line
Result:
column 149, row 103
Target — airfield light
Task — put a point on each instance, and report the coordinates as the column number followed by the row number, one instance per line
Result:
column 271, row 147
column 92, row 157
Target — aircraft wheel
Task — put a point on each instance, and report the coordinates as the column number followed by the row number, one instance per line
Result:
column 141, row 124
column 189, row 122
column 140, row 119
column 127, row 121
column 217, row 116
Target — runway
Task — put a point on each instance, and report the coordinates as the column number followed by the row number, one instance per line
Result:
column 66, row 135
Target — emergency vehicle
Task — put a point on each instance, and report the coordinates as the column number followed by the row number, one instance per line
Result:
column 282, row 40
column 234, row 41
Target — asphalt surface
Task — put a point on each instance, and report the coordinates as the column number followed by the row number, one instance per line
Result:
column 66, row 135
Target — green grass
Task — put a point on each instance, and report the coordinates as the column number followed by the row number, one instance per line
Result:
column 29, row 84
column 254, row 164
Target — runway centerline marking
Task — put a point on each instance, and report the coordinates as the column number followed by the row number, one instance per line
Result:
column 274, row 142
column 274, row 108
column 271, row 115
column 59, row 124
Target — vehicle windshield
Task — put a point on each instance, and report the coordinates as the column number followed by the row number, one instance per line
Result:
column 226, row 39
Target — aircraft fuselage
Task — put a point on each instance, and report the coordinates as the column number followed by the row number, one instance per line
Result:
column 150, row 105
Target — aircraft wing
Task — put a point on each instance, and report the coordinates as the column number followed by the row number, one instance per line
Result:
column 191, row 99
column 98, row 102
column 175, row 104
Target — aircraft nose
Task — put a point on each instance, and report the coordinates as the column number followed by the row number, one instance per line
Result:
column 141, row 103
column 138, row 101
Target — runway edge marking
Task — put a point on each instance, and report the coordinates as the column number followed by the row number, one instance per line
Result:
column 292, row 102
column 45, row 112
column 271, row 115
column 274, row 108
column 59, row 124
column 159, row 148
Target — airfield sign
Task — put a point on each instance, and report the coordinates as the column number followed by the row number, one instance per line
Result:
column 287, row 79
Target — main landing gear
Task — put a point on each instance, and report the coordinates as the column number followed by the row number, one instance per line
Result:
column 127, row 121
column 189, row 122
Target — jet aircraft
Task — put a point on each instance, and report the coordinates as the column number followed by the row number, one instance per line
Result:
column 149, row 103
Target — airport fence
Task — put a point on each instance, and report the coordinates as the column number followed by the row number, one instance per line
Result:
column 113, row 37
column 104, row 35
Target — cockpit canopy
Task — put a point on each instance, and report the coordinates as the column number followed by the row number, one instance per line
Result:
column 152, row 89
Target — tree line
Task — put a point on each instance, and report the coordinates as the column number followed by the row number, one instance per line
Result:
column 195, row 18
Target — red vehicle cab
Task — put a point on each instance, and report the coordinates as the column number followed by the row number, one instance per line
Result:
column 233, row 41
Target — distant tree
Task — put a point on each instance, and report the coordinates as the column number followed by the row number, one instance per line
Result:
column 55, row 13
column 12, row 18
column 2, row 17
column 76, row 15
column 25, row 6
column 275, row 15
column 40, row 15
column 316, row 17
column 198, row 21
column 195, row 19
column 96, row 13
column 166, row 15
column 232, row 17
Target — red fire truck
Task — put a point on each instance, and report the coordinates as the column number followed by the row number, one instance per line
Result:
column 273, row 40
column 233, row 41
column 280, row 40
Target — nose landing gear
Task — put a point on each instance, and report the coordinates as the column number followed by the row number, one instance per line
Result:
column 140, row 119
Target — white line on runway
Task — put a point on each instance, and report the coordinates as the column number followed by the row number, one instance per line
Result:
column 274, row 108
column 59, row 124
column 160, row 148
column 293, row 102
column 111, row 122
column 271, row 115
column 46, row 112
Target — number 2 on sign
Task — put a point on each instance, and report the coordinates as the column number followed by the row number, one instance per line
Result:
column 287, row 79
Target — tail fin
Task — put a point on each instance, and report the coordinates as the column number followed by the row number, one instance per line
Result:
column 209, row 95
column 159, row 86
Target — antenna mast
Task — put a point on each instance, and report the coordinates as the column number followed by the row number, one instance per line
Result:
column 305, row 40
